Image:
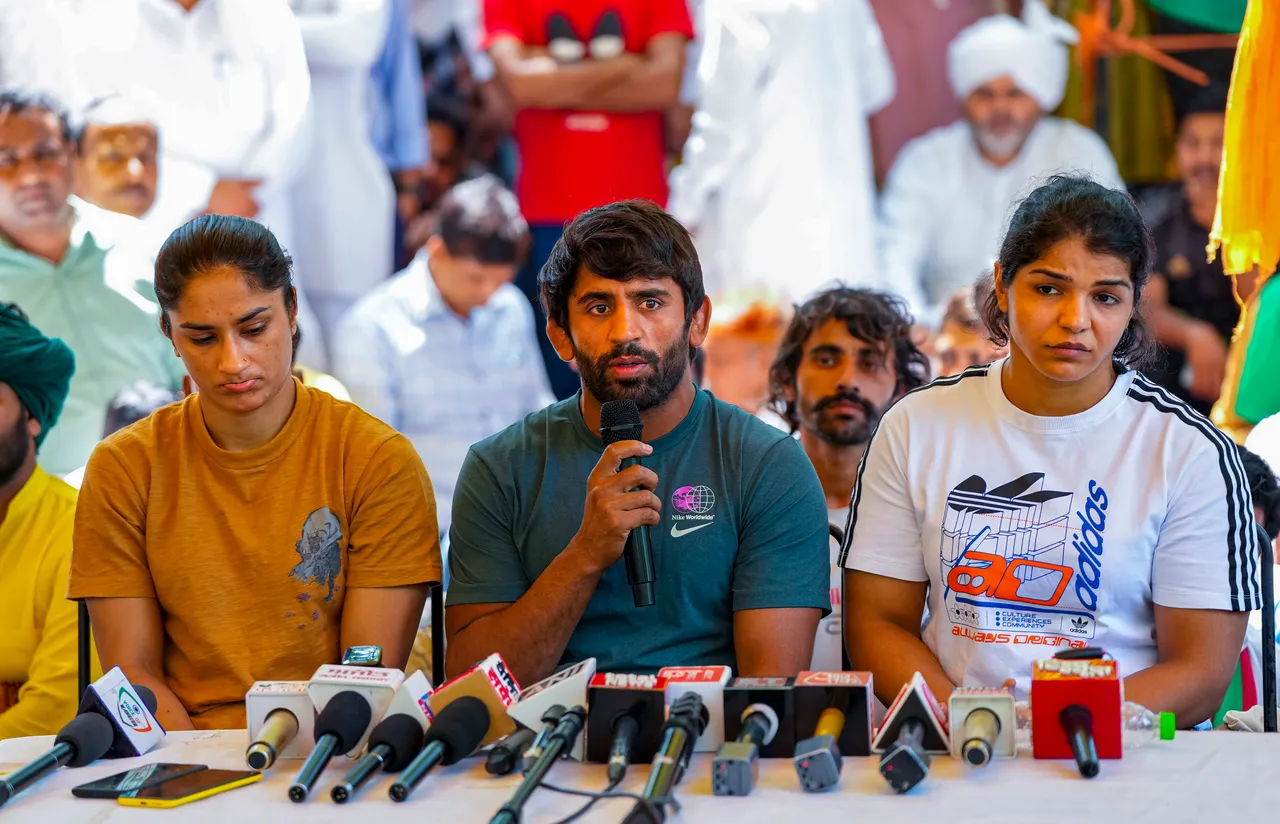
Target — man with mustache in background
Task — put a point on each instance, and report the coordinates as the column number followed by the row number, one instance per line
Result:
column 1189, row 302
column 117, row 164
column 846, row 357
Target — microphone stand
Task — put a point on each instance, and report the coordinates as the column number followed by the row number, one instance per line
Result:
column 567, row 729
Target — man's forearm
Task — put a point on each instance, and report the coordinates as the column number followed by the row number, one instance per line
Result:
column 895, row 655
column 1177, row 687
column 541, row 83
column 169, row 710
column 531, row 633
column 653, row 86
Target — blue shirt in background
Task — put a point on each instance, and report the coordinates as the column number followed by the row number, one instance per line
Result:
column 398, row 103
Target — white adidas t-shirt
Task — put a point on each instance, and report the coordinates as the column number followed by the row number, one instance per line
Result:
column 1041, row 533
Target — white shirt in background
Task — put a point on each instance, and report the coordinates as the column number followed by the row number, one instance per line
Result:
column 776, row 179
column 1038, row 533
column 828, row 646
column 228, row 88
column 343, row 200
column 944, row 208
column 442, row 381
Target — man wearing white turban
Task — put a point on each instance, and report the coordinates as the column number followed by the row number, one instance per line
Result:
column 950, row 192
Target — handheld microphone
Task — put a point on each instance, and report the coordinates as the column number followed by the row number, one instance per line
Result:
column 395, row 742
column 620, row 421
column 130, row 711
column 508, row 752
column 613, row 699
column 817, row 759
column 686, row 722
column 983, row 725
column 1076, row 711
column 736, row 766
column 568, row 688
column 339, row 728
column 709, row 683
column 459, row 728
column 914, row 726
column 84, row 739
column 566, row 731
column 281, row 720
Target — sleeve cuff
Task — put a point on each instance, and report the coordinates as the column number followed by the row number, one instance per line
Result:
column 459, row 595
column 784, row 602
column 80, row 591
column 880, row 566
column 382, row 578
column 1199, row 599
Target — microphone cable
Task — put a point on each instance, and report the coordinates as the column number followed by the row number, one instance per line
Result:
column 652, row 806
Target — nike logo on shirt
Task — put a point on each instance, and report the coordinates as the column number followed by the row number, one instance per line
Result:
column 676, row 531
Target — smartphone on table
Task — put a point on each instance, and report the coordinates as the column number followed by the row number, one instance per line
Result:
column 148, row 775
column 187, row 788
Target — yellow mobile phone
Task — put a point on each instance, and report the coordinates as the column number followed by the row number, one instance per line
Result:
column 187, row 788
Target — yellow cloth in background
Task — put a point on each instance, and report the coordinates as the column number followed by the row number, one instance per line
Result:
column 1246, row 228
column 37, row 623
column 250, row 554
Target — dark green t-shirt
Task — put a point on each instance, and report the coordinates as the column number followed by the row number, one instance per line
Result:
column 744, row 526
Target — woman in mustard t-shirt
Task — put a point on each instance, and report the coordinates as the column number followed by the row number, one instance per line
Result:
column 255, row 529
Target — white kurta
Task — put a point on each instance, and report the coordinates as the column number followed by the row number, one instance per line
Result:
column 776, row 180
column 944, row 208
column 344, row 201
column 228, row 89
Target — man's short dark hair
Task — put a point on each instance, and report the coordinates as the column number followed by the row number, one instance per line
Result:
column 874, row 317
column 621, row 241
column 1265, row 490
column 135, row 402
column 450, row 110
column 17, row 101
column 1211, row 99
column 481, row 219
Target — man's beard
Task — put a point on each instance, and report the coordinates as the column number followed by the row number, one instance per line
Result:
column 14, row 448
column 650, row 390
column 838, row 429
column 1001, row 145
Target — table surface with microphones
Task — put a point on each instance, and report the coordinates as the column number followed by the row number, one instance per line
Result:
column 1196, row 777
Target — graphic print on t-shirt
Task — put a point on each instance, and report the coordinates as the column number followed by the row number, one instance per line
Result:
column 320, row 548
column 1020, row 564
column 692, row 507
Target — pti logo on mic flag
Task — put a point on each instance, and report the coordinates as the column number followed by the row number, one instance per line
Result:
column 130, row 711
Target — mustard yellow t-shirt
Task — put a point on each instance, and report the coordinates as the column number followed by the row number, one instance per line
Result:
column 38, row 662
column 250, row 554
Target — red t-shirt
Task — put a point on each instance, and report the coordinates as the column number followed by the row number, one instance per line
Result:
column 574, row 160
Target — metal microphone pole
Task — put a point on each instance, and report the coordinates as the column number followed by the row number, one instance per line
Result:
column 566, row 732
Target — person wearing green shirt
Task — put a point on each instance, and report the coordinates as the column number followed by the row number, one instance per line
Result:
column 73, row 269
column 542, row 510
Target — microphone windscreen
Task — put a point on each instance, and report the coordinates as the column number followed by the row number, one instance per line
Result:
column 461, row 727
column 403, row 735
column 91, row 735
column 620, row 421
column 346, row 717
column 147, row 697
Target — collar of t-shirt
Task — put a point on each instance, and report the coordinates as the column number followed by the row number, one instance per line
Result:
column 263, row 455
column 1081, row 421
column 660, row 445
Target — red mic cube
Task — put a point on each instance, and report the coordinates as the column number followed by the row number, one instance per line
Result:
column 1059, row 683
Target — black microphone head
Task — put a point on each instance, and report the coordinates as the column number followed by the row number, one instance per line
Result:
column 147, row 697
column 620, row 421
column 345, row 717
column 91, row 736
column 403, row 735
column 460, row 726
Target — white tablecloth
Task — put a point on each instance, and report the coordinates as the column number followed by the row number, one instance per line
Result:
column 1199, row 777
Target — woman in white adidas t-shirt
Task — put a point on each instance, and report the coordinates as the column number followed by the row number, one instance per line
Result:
column 1054, row 498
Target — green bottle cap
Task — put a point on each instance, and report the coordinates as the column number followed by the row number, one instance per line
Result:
column 1167, row 726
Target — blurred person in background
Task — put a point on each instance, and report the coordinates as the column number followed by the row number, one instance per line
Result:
column 445, row 352
column 73, row 268
column 776, row 181
column 591, row 81
column 226, row 84
column 949, row 193
column 343, row 199
column 130, row 405
column 38, row 673
column 399, row 120
column 847, row 356
column 962, row 341
column 1191, row 303
column 447, row 131
column 118, row 149
column 740, row 346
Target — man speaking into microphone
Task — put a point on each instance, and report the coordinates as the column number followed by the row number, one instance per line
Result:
column 735, row 514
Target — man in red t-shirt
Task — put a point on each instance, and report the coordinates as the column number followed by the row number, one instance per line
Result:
column 590, row 80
